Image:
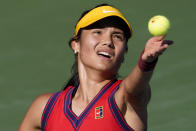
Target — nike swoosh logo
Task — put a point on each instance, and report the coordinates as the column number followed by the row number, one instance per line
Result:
column 109, row 11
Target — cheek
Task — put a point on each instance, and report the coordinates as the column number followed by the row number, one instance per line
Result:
column 87, row 48
column 121, row 51
column 120, row 55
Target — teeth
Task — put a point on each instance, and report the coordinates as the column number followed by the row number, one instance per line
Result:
column 104, row 53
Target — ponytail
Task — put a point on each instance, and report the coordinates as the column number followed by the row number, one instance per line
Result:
column 74, row 80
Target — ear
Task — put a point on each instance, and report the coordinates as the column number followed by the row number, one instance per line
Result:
column 75, row 46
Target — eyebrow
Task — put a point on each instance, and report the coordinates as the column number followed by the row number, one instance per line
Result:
column 118, row 32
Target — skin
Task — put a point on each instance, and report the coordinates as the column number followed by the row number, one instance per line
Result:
column 95, row 71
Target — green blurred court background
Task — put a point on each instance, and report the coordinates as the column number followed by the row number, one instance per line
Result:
column 35, row 57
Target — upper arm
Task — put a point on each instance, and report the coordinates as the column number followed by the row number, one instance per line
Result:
column 134, row 107
column 135, row 99
column 135, row 88
column 139, row 99
column 32, row 119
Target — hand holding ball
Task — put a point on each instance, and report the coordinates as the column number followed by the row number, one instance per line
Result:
column 158, row 25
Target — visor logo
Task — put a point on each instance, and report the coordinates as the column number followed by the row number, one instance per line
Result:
column 109, row 11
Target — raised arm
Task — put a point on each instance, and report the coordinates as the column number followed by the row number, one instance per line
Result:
column 137, row 81
column 134, row 92
column 135, row 88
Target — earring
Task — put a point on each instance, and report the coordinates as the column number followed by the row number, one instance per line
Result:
column 75, row 51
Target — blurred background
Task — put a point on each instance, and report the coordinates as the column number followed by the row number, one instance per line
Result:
column 35, row 57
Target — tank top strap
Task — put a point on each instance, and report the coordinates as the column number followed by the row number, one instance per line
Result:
column 48, row 109
column 116, row 85
column 118, row 116
column 50, row 105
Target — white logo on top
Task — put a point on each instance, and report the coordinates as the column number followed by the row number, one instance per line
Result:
column 109, row 11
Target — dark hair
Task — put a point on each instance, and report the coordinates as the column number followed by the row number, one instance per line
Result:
column 112, row 21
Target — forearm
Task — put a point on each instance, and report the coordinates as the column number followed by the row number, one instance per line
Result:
column 140, row 76
column 137, row 80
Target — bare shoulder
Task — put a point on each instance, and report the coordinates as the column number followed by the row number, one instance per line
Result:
column 32, row 119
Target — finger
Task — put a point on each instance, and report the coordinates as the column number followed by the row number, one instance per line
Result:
column 161, row 51
column 168, row 42
column 159, row 38
column 163, row 47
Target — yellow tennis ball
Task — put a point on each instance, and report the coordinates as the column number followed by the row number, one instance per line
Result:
column 158, row 25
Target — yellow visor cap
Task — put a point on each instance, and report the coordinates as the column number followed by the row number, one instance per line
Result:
column 99, row 13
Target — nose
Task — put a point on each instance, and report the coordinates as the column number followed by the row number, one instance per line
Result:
column 107, row 41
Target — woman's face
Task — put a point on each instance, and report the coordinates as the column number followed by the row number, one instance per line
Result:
column 102, row 49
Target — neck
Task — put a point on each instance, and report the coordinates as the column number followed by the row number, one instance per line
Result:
column 91, row 82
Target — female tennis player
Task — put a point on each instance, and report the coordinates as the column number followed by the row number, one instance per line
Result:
column 94, row 99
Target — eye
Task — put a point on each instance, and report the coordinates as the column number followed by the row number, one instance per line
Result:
column 98, row 32
column 118, row 37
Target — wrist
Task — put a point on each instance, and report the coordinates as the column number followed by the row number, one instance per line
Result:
column 146, row 66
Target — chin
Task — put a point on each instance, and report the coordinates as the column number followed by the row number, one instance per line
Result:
column 108, row 69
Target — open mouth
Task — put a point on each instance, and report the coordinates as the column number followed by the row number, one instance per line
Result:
column 104, row 54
